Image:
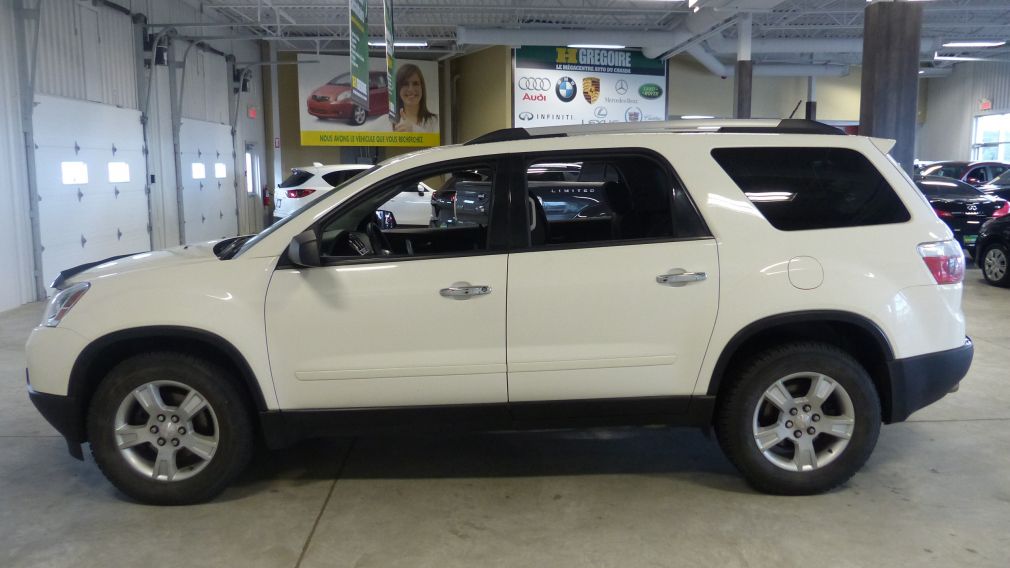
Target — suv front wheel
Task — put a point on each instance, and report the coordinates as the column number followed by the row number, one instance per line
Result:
column 801, row 419
column 169, row 429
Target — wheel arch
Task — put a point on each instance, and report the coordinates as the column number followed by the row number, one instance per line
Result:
column 102, row 354
column 856, row 334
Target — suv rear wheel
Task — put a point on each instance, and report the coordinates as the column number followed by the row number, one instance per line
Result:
column 169, row 429
column 801, row 419
column 994, row 265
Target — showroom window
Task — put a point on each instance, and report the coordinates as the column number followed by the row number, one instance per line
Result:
column 119, row 172
column 799, row 189
column 991, row 141
column 455, row 206
column 74, row 173
column 602, row 200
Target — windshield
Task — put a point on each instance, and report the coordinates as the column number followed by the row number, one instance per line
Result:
column 343, row 80
column 947, row 171
column 265, row 232
column 1002, row 179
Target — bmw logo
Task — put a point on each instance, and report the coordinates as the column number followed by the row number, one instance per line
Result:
column 566, row 89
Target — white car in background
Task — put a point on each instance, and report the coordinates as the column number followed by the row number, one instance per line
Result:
column 307, row 184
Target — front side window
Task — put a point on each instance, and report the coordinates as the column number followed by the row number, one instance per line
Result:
column 595, row 199
column 458, row 213
column 799, row 189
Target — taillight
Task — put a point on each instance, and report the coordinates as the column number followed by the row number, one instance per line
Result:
column 296, row 193
column 943, row 214
column 1004, row 210
column 945, row 261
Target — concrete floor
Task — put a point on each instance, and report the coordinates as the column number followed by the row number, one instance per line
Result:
column 935, row 493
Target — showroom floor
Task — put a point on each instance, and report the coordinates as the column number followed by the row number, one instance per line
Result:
column 936, row 492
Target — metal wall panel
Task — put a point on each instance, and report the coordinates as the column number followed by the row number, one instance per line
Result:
column 953, row 104
column 86, row 53
column 99, row 218
column 206, row 91
column 16, row 282
column 209, row 202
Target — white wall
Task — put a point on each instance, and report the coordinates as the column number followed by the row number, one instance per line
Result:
column 953, row 103
column 16, row 265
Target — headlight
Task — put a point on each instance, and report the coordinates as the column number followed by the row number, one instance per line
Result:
column 61, row 303
column 343, row 96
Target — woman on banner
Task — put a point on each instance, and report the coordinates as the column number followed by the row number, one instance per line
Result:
column 412, row 102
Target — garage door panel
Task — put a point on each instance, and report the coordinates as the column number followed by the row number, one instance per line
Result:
column 99, row 217
column 209, row 203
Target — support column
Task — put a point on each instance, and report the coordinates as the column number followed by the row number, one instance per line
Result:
column 744, row 68
column 891, row 35
column 811, row 98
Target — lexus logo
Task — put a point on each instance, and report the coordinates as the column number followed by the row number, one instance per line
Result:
column 526, row 116
column 600, row 112
column 534, row 84
column 621, row 87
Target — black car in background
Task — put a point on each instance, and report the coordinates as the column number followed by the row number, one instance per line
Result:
column 999, row 186
column 972, row 173
column 991, row 251
column 963, row 207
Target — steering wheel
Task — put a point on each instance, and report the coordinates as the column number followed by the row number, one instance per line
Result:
column 380, row 244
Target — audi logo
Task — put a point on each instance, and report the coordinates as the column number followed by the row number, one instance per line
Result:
column 526, row 116
column 535, row 84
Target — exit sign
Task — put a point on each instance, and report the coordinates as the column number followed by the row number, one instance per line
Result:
column 251, row 111
column 985, row 104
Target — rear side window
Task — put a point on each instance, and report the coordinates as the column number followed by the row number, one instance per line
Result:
column 338, row 177
column 798, row 189
column 297, row 177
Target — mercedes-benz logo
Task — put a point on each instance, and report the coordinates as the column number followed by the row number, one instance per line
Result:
column 526, row 116
column 534, row 84
column 621, row 87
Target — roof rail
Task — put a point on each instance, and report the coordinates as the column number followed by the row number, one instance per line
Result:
column 760, row 126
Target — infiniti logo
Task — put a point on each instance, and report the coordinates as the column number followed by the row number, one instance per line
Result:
column 526, row 116
column 973, row 208
column 534, row 84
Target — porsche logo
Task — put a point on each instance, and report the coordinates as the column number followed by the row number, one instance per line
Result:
column 591, row 89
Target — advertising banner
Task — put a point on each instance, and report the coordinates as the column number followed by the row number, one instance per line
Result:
column 359, row 51
column 329, row 117
column 387, row 13
column 554, row 86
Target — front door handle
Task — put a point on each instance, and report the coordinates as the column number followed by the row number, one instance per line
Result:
column 680, row 278
column 464, row 292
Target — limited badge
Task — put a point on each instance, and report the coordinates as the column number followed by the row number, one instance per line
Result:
column 591, row 89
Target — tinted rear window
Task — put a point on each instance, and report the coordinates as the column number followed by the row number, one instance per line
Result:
column 340, row 176
column 297, row 177
column 952, row 171
column 799, row 189
column 950, row 189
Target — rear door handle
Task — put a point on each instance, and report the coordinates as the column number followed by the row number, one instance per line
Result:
column 464, row 292
column 680, row 278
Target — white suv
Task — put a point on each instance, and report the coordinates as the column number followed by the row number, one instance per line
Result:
column 783, row 284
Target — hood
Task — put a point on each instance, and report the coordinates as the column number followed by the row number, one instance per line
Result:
column 188, row 254
column 330, row 91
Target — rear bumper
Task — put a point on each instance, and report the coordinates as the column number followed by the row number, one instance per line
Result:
column 64, row 414
column 917, row 382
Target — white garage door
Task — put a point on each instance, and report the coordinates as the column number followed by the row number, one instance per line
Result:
column 90, row 167
column 208, row 180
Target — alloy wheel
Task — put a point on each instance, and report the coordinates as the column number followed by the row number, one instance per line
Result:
column 166, row 431
column 803, row 421
column 995, row 264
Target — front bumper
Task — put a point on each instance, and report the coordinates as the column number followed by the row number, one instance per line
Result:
column 330, row 110
column 64, row 414
column 917, row 382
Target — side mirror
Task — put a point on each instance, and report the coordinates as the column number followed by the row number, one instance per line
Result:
column 304, row 249
column 385, row 219
column 973, row 181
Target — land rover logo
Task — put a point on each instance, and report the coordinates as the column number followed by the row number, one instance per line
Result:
column 526, row 116
column 650, row 91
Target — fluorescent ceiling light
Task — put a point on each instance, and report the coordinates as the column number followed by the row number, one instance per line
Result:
column 957, row 58
column 974, row 44
column 596, row 46
column 696, row 117
column 375, row 43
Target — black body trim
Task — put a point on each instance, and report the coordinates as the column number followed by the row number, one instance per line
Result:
column 65, row 414
column 916, row 382
column 78, row 376
column 812, row 316
column 282, row 428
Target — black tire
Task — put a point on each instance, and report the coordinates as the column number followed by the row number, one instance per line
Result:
column 232, row 425
column 992, row 273
column 739, row 406
column 359, row 115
